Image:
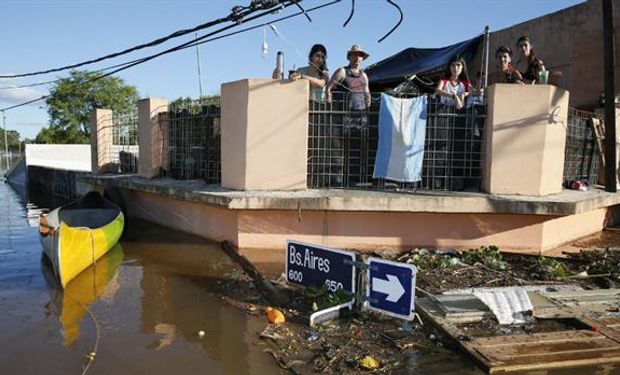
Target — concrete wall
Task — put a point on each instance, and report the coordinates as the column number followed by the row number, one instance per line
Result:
column 67, row 157
column 569, row 41
column 58, row 182
column 264, row 134
column 525, row 139
column 153, row 151
column 365, row 231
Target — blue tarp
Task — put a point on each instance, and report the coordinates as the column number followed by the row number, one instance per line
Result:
column 411, row 61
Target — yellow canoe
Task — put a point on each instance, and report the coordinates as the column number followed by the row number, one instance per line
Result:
column 76, row 235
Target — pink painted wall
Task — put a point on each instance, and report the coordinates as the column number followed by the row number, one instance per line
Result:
column 364, row 231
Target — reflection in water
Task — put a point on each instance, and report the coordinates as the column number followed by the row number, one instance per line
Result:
column 71, row 304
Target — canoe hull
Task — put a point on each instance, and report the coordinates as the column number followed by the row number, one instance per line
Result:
column 72, row 249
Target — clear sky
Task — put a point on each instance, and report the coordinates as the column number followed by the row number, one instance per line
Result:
column 42, row 34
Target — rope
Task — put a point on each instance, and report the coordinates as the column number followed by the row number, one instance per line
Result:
column 91, row 356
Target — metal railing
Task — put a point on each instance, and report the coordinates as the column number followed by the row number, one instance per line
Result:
column 125, row 145
column 193, row 140
column 342, row 146
column 118, row 148
column 582, row 155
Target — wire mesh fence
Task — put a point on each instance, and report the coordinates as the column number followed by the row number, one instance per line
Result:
column 192, row 136
column 125, row 140
column 342, row 147
column 582, row 155
column 117, row 140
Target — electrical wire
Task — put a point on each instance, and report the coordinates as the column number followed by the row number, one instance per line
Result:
column 397, row 24
column 303, row 10
column 192, row 43
column 237, row 14
column 60, row 79
column 350, row 14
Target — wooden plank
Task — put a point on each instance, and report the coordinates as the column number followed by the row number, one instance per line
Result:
column 537, row 351
column 599, row 133
column 462, row 308
column 543, row 348
column 551, row 360
column 430, row 312
column 611, row 294
column 610, row 327
column 536, row 337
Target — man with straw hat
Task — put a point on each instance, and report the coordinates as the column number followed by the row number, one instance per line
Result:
column 352, row 80
column 352, row 97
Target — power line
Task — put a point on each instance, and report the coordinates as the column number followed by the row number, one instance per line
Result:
column 237, row 14
column 59, row 79
column 192, row 43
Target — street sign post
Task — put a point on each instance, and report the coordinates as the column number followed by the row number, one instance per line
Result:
column 311, row 265
column 391, row 287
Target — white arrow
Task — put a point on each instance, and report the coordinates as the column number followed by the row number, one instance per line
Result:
column 392, row 287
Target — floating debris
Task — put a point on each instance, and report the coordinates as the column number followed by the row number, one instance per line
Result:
column 369, row 363
column 274, row 316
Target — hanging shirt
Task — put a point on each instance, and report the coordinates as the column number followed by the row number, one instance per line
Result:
column 317, row 94
column 402, row 132
column 455, row 89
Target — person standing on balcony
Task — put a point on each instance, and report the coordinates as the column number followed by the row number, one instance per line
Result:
column 455, row 86
column 352, row 80
column 449, row 134
column 506, row 72
column 348, row 132
column 315, row 73
column 528, row 64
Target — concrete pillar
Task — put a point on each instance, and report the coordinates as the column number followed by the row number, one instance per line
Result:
column 525, row 139
column 264, row 134
column 151, row 136
column 101, row 140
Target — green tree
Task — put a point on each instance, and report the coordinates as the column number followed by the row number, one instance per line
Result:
column 72, row 99
column 12, row 137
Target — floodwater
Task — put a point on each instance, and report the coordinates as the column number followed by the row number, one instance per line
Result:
column 140, row 309
column 142, row 306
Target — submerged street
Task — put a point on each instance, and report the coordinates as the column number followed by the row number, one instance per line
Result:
column 153, row 305
column 149, row 297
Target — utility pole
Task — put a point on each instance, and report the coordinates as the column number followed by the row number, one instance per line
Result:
column 610, row 97
column 198, row 63
column 6, row 142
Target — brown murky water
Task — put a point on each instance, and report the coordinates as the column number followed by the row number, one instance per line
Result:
column 141, row 308
column 149, row 298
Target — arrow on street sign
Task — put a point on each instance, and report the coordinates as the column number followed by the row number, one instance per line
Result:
column 391, row 287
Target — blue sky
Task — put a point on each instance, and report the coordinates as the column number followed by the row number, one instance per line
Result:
column 42, row 34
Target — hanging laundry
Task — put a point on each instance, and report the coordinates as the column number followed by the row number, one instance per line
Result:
column 402, row 131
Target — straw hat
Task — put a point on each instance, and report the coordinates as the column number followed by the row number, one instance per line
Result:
column 357, row 49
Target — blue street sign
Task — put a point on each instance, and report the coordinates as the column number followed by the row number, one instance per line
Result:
column 310, row 265
column 391, row 287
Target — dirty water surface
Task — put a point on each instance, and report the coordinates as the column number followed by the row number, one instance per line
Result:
column 140, row 309
column 166, row 302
